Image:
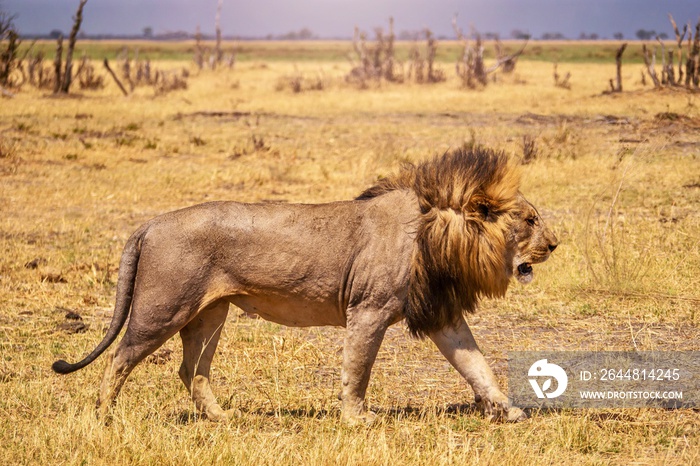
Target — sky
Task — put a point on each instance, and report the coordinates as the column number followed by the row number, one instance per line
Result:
column 337, row 18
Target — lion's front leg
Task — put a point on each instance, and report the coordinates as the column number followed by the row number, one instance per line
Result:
column 364, row 335
column 457, row 344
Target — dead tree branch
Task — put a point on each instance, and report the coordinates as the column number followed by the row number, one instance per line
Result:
column 87, row 78
column 377, row 60
column 198, row 49
column 114, row 76
column 68, row 73
column 666, row 68
column 618, row 65
column 506, row 63
column 563, row 83
column 218, row 54
column 389, row 61
column 649, row 62
column 126, row 68
column 470, row 67
column 9, row 51
column 679, row 42
column 692, row 68
column 57, row 65
column 466, row 67
column 434, row 75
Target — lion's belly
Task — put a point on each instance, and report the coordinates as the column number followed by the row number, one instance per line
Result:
column 290, row 311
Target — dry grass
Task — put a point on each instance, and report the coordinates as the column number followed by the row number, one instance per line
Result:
column 77, row 175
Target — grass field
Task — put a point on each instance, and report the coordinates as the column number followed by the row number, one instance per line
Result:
column 616, row 176
column 338, row 51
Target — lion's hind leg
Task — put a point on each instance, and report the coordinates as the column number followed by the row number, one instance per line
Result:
column 130, row 351
column 199, row 340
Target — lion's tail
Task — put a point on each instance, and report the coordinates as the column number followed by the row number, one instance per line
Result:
column 125, row 292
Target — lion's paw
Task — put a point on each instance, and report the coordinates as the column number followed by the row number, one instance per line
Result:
column 216, row 414
column 497, row 408
column 515, row 414
column 367, row 418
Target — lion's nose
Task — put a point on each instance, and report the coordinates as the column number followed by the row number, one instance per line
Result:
column 552, row 247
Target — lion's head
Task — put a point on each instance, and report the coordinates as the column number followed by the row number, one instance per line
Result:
column 475, row 232
column 531, row 242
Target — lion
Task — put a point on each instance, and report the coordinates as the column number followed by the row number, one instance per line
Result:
column 422, row 246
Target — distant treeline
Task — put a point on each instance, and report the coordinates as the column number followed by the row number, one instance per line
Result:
column 307, row 34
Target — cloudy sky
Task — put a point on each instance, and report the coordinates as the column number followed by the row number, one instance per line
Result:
column 337, row 18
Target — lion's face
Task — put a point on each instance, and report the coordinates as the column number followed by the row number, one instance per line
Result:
column 531, row 241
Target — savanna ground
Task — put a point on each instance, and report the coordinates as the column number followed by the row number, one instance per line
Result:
column 616, row 176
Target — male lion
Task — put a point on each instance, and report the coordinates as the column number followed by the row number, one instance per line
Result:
column 424, row 245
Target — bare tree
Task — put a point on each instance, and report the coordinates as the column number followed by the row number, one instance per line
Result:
column 559, row 81
column 39, row 76
column 68, row 73
column 434, row 75
column 679, row 41
column 664, row 66
column 376, row 60
column 87, row 77
column 692, row 67
column 470, row 67
column 389, row 65
column 9, row 48
column 650, row 62
column 218, row 52
column 668, row 71
column 198, row 49
column 617, row 87
column 507, row 62
column 57, row 64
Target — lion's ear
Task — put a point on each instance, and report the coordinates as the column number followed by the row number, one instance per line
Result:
column 488, row 214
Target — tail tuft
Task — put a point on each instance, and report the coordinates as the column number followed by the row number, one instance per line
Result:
column 62, row 367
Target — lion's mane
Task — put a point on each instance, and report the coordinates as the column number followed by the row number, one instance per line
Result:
column 467, row 200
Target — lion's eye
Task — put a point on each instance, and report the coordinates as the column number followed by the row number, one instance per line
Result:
column 531, row 221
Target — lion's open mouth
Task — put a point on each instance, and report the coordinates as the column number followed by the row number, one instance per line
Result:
column 524, row 274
